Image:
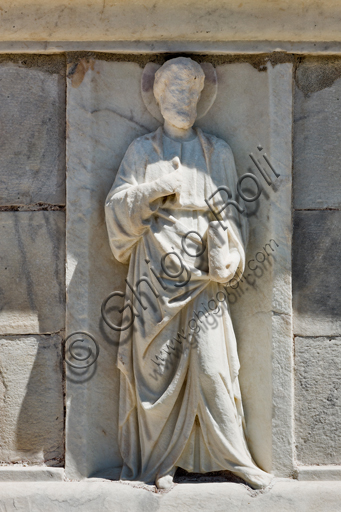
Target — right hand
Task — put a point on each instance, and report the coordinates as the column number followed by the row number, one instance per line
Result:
column 171, row 182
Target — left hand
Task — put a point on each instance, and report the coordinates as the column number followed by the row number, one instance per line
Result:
column 223, row 261
column 232, row 264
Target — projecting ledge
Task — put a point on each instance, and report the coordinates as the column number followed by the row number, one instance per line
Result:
column 20, row 473
column 330, row 472
column 112, row 496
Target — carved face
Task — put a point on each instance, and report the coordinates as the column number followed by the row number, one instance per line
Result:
column 177, row 87
column 178, row 101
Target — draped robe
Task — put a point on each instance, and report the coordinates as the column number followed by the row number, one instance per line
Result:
column 180, row 402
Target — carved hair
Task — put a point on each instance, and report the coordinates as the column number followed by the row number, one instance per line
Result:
column 185, row 67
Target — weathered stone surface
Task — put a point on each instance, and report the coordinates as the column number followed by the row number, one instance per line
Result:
column 154, row 20
column 285, row 496
column 32, row 144
column 317, row 273
column 325, row 472
column 252, row 110
column 318, row 400
column 26, row 473
column 31, row 398
column 105, row 113
column 317, row 125
column 32, row 282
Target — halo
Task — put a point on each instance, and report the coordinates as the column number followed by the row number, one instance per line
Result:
column 207, row 97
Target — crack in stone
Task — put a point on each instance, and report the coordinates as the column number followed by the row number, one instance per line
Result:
column 3, row 387
column 35, row 207
column 121, row 116
column 316, row 209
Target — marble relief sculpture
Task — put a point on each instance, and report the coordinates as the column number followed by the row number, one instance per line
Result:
column 191, row 416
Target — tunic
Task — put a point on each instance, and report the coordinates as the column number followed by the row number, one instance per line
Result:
column 180, row 402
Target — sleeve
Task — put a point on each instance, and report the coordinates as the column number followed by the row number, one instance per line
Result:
column 239, row 227
column 233, row 214
column 129, row 205
column 230, row 242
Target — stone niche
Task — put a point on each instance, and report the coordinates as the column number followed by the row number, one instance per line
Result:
column 253, row 113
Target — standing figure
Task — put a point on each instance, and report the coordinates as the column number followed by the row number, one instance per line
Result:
column 180, row 403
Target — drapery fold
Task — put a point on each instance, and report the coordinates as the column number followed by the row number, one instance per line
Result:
column 180, row 402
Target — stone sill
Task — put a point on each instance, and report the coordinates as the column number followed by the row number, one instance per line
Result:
column 157, row 46
column 194, row 20
column 20, row 473
column 216, row 497
column 328, row 472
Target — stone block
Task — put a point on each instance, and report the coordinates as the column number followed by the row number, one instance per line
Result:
column 325, row 472
column 284, row 496
column 317, row 273
column 317, row 126
column 32, row 123
column 31, row 398
column 155, row 20
column 28, row 473
column 318, row 400
column 32, row 274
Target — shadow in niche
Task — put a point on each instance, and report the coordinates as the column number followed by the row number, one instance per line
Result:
column 40, row 425
column 181, row 476
column 184, row 477
column 108, row 474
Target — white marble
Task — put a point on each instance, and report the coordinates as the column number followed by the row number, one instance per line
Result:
column 158, row 197
column 25, row 473
column 105, row 114
column 255, row 108
column 90, row 496
column 103, row 119
column 326, row 472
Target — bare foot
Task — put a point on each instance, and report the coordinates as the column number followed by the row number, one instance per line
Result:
column 166, row 481
column 259, row 481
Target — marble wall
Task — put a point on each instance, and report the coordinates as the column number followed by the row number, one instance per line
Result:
column 32, row 259
column 55, row 257
column 316, row 263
